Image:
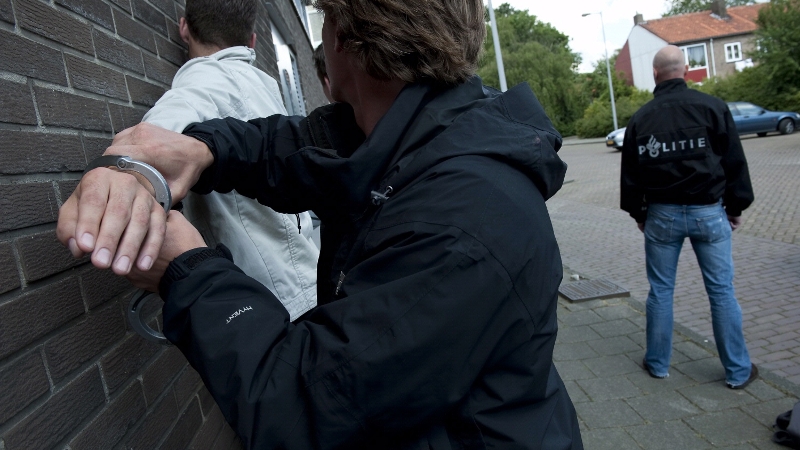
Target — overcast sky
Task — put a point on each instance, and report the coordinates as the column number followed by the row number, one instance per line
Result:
column 585, row 32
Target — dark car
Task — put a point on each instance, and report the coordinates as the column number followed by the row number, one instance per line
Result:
column 752, row 118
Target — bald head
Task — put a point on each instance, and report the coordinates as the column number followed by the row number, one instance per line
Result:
column 668, row 64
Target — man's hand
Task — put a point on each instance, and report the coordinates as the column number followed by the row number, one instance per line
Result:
column 641, row 226
column 180, row 159
column 115, row 218
column 181, row 237
column 735, row 221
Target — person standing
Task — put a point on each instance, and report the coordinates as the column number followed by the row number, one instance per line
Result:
column 684, row 174
column 218, row 81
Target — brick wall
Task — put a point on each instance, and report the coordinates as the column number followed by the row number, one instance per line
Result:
column 72, row 373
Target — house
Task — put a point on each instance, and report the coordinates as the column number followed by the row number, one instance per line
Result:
column 715, row 43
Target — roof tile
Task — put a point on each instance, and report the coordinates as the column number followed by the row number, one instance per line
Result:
column 704, row 25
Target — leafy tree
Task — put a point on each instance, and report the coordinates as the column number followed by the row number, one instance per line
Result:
column 687, row 6
column 775, row 82
column 536, row 53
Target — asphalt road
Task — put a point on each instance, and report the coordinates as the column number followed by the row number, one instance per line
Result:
column 597, row 239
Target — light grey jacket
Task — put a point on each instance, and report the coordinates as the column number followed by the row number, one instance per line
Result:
column 271, row 247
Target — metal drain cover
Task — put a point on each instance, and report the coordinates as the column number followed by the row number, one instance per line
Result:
column 581, row 291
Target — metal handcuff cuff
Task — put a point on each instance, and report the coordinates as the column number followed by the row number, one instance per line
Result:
column 164, row 198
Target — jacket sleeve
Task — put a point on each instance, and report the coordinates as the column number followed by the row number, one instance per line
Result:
column 631, row 193
column 251, row 157
column 738, row 189
column 391, row 357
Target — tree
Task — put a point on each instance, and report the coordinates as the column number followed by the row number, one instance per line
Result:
column 687, row 6
column 536, row 53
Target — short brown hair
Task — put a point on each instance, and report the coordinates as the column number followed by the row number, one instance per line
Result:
column 319, row 63
column 224, row 23
column 411, row 40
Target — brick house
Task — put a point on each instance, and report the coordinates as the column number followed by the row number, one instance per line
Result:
column 715, row 43
column 72, row 74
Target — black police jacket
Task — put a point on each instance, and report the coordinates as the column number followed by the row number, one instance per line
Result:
column 683, row 148
column 438, row 279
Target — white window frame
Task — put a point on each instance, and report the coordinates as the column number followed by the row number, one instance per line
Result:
column 733, row 52
column 685, row 50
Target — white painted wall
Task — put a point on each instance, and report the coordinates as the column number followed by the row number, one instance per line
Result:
column 643, row 46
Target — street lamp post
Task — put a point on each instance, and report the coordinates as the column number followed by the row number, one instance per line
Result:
column 608, row 69
column 501, row 71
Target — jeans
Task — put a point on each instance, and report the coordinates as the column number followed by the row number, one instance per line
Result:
column 709, row 231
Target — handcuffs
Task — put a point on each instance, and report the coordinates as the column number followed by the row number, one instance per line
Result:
column 163, row 196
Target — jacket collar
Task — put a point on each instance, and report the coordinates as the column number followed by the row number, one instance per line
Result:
column 669, row 86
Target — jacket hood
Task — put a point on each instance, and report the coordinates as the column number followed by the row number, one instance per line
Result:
column 428, row 124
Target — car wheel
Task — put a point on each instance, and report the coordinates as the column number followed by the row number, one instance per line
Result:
column 786, row 126
column 761, row 134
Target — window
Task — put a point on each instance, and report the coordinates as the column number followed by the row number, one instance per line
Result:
column 300, row 5
column 289, row 75
column 733, row 52
column 695, row 56
column 748, row 109
column 315, row 18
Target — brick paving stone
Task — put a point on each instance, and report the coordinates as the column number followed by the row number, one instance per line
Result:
column 664, row 406
column 608, row 366
column 713, row 397
column 609, row 439
column 608, row 414
column 600, row 389
column 667, row 436
column 614, row 345
column 703, row 370
column 728, row 427
column 575, row 392
column 573, row 370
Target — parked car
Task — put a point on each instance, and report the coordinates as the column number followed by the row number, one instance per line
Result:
column 615, row 138
column 750, row 118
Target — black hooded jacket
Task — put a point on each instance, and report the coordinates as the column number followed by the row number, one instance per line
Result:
column 683, row 148
column 438, row 279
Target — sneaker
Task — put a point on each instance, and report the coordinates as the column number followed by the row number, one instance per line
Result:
column 647, row 368
column 753, row 376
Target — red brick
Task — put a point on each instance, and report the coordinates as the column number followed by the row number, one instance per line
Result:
column 171, row 52
column 42, row 255
column 187, row 426
column 9, row 277
column 83, row 341
column 174, row 30
column 36, row 313
column 126, row 360
column 161, row 372
column 167, row 7
column 123, row 117
column 204, row 439
column 59, row 415
column 22, row 383
column 100, row 286
column 94, row 10
column 142, row 92
column 187, row 385
column 66, row 188
column 159, row 69
column 154, row 426
column 27, row 204
column 115, row 420
column 30, row 152
column 59, row 109
column 51, row 23
column 94, row 147
column 145, row 13
column 92, row 77
column 30, row 59
column 6, row 11
column 134, row 31
column 16, row 103
column 115, row 51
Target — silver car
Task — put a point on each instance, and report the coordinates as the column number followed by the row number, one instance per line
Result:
column 615, row 138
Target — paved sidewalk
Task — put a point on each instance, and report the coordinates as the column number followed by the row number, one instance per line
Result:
column 598, row 353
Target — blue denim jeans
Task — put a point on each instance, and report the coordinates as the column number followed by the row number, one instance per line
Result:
column 709, row 231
